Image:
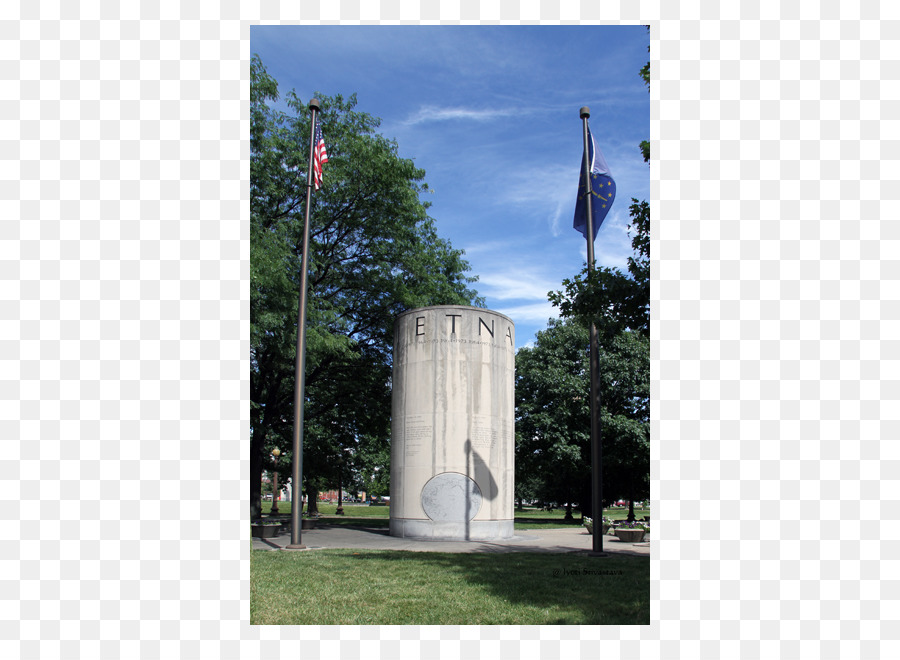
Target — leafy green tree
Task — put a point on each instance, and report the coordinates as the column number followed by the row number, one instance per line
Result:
column 553, row 415
column 373, row 469
column 625, row 419
column 618, row 303
column 550, row 406
column 613, row 300
column 374, row 253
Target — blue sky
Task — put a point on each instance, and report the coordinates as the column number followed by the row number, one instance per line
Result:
column 491, row 113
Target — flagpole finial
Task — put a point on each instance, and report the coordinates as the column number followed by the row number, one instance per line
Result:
column 314, row 104
column 585, row 112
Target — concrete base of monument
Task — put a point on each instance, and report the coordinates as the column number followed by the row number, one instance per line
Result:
column 473, row 530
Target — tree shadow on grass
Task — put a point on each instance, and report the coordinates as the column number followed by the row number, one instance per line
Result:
column 571, row 588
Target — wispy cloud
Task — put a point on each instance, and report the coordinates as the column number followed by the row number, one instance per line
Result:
column 430, row 113
column 536, row 313
column 491, row 114
column 520, row 285
column 556, row 222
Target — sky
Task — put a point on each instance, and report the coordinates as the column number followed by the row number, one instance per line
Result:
column 491, row 113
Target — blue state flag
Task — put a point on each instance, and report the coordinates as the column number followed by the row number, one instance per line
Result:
column 603, row 190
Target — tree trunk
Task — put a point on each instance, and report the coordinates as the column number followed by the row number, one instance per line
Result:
column 568, row 511
column 587, row 501
column 312, row 501
column 256, row 448
column 631, row 498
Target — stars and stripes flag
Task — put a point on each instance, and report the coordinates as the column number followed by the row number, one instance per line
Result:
column 603, row 190
column 320, row 157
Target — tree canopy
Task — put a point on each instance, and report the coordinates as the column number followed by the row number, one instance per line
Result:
column 553, row 379
column 373, row 253
column 553, row 415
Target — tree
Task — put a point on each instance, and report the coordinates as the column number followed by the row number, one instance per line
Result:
column 625, row 397
column 618, row 304
column 613, row 300
column 374, row 253
column 553, row 415
column 551, row 403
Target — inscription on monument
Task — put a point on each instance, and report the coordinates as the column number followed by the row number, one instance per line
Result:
column 482, row 332
column 487, row 431
column 417, row 435
column 484, row 437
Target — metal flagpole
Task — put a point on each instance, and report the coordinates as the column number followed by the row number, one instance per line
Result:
column 596, row 443
column 300, row 365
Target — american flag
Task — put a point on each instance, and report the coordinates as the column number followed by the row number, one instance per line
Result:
column 319, row 156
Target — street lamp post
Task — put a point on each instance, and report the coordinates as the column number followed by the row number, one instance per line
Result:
column 340, row 506
column 374, row 479
column 275, row 454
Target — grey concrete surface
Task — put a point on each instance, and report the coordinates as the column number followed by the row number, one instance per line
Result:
column 574, row 540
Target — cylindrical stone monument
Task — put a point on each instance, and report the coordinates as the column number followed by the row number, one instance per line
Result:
column 452, row 429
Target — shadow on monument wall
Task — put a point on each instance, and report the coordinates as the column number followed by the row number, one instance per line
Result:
column 477, row 469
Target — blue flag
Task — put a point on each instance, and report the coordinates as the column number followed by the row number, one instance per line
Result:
column 603, row 190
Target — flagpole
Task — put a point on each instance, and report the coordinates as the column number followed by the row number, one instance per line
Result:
column 596, row 442
column 300, row 364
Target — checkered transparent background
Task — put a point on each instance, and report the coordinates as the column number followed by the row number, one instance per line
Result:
column 124, row 333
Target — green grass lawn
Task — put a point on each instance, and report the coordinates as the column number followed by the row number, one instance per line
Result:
column 527, row 518
column 328, row 509
column 380, row 587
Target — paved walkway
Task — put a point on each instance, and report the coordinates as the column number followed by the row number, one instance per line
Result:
column 575, row 540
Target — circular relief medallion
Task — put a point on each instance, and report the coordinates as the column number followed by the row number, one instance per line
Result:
column 451, row 497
